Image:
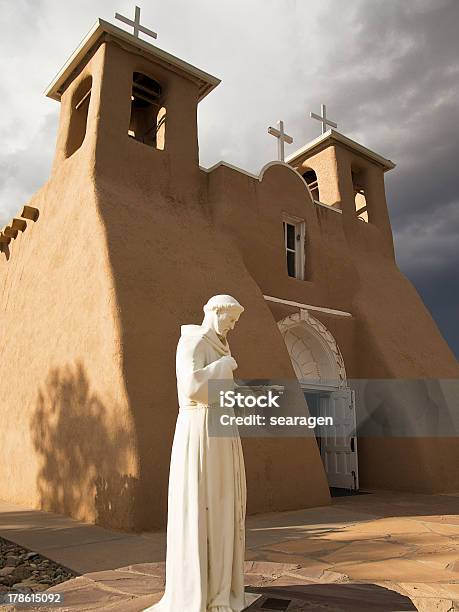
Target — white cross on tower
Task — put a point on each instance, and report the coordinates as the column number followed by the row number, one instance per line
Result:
column 323, row 118
column 136, row 24
column 282, row 137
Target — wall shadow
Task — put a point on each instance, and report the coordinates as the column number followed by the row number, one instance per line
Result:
column 339, row 597
column 81, row 456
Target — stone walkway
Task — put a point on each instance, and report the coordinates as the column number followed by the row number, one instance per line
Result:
column 381, row 551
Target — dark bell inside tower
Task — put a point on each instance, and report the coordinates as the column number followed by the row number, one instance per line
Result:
column 145, row 105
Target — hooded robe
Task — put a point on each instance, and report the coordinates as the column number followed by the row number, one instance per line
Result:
column 207, row 489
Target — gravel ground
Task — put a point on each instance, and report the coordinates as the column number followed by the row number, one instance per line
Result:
column 27, row 571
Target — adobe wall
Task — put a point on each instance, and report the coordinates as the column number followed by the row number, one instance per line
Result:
column 67, row 440
column 349, row 266
column 398, row 330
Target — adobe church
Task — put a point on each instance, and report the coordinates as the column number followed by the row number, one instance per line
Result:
column 129, row 238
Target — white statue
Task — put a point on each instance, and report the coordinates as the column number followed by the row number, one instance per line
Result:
column 207, row 484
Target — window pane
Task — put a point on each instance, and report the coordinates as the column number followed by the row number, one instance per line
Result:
column 291, row 263
column 290, row 236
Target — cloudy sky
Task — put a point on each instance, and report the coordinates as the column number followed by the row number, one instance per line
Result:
column 388, row 71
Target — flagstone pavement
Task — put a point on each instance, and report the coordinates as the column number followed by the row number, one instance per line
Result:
column 380, row 551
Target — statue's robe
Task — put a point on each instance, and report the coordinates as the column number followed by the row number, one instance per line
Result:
column 207, row 489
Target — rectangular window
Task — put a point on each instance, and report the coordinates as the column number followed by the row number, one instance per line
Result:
column 294, row 246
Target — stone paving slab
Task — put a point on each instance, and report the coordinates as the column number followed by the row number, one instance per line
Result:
column 80, row 546
column 381, row 549
column 263, row 581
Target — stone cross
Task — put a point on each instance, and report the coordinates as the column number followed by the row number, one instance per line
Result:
column 323, row 118
column 282, row 137
column 136, row 24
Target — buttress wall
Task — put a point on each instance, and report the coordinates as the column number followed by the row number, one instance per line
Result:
column 67, row 442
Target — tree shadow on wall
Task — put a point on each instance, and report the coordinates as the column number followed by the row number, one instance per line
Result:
column 82, row 452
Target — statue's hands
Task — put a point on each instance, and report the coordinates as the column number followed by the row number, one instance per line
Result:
column 230, row 360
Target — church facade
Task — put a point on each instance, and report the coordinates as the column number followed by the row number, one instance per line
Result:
column 129, row 238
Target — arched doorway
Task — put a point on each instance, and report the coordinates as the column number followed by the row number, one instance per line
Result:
column 315, row 356
column 319, row 367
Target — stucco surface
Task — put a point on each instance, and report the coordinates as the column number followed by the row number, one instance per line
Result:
column 67, row 438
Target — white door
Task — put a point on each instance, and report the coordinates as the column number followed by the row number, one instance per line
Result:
column 338, row 441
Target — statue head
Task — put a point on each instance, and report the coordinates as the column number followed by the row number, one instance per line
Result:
column 221, row 314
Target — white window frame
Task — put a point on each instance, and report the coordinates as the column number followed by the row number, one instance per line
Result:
column 300, row 232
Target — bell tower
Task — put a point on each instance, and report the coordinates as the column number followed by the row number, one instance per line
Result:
column 127, row 104
column 345, row 175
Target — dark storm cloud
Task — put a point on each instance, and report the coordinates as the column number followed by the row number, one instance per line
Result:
column 388, row 71
column 395, row 88
column 411, row 106
column 427, row 243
